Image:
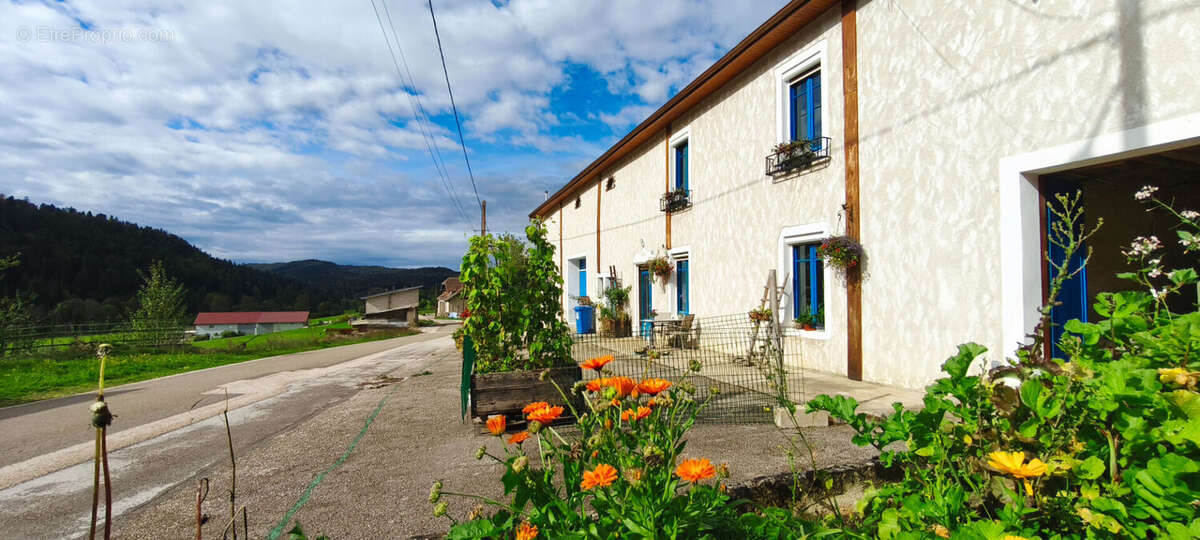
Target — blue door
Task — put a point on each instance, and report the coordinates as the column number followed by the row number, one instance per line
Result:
column 644, row 305
column 1073, row 298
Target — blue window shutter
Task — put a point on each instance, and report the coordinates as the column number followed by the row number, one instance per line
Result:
column 814, row 279
column 681, row 166
column 796, row 291
column 805, row 115
column 681, row 287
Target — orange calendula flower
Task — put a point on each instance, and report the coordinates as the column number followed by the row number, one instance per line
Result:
column 496, row 424
column 598, row 363
column 623, row 385
column 602, row 476
column 639, row 414
column 695, row 470
column 545, row 415
column 527, row 531
column 519, row 438
column 596, row 385
column 653, row 386
column 534, row 406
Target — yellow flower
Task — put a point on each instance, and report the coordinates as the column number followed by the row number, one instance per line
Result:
column 1013, row 464
column 1178, row 376
column 1012, row 537
column 941, row 531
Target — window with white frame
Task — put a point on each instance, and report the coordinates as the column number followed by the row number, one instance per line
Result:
column 805, row 278
column 681, row 170
column 800, row 115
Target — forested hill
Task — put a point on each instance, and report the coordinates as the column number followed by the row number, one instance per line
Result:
column 359, row 280
column 84, row 267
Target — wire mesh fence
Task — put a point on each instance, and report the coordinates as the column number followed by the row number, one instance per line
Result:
column 740, row 363
column 28, row 339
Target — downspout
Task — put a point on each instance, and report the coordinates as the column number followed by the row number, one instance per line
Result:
column 667, row 174
column 851, row 208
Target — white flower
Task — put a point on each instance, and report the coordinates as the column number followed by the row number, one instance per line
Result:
column 1190, row 214
column 1155, row 272
column 1158, row 294
column 1189, row 245
column 1142, row 246
column 1145, row 193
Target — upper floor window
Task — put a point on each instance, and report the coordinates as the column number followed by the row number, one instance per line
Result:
column 804, row 106
column 681, row 166
column 578, row 202
column 610, row 183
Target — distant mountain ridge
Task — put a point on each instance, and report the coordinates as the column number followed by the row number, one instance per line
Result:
column 363, row 279
column 83, row 267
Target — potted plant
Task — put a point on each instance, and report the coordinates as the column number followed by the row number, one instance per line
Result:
column 760, row 315
column 794, row 154
column 516, row 345
column 613, row 312
column 841, row 252
column 660, row 266
column 806, row 321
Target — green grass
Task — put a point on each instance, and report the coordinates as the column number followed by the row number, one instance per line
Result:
column 48, row 375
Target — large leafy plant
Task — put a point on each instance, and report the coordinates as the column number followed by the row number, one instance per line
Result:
column 1111, row 430
column 512, row 290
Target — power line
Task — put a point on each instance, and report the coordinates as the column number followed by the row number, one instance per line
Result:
column 423, row 118
column 439, row 168
column 461, row 141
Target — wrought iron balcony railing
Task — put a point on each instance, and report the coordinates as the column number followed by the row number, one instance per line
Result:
column 674, row 201
column 797, row 155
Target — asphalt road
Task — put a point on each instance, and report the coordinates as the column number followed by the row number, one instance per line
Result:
column 34, row 429
column 273, row 395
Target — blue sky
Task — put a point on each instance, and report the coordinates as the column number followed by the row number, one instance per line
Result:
column 279, row 130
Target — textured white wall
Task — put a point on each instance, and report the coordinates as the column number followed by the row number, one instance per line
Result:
column 946, row 90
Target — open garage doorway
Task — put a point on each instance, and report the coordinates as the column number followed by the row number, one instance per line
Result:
column 1108, row 191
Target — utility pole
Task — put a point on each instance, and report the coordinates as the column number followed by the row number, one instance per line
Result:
column 483, row 218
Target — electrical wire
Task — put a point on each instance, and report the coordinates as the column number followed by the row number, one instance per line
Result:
column 461, row 141
column 426, row 135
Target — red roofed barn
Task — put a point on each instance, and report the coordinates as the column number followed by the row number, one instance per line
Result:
column 249, row 322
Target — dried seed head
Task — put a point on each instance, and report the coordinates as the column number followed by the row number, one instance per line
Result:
column 520, row 464
column 101, row 416
column 476, row 513
column 479, row 453
column 439, row 510
column 535, row 427
column 435, row 492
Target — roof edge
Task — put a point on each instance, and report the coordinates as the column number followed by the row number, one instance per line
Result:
column 781, row 25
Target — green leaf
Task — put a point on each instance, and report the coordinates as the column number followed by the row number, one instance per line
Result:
column 1182, row 276
column 1090, row 468
column 1188, row 403
column 479, row 528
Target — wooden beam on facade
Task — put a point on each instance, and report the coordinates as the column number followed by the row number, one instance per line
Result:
column 852, row 206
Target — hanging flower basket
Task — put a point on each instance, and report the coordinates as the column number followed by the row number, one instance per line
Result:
column 660, row 267
column 841, row 252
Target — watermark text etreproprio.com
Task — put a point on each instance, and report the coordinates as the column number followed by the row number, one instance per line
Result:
column 93, row 35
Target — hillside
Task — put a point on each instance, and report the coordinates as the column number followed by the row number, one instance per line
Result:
column 84, row 267
column 359, row 280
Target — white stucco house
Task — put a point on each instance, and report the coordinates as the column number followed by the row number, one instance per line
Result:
column 937, row 132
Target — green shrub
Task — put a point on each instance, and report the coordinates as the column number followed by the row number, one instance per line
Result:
column 1111, row 431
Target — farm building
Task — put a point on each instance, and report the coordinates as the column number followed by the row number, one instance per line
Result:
column 249, row 322
column 450, row 301
column 932, row 134
column 392, row 308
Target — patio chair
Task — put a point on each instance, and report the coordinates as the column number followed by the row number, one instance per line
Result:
column 686, row 335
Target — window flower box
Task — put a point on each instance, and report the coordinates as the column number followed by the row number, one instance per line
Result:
column 674, row 201
column 797, row 155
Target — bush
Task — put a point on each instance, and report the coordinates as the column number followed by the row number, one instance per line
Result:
column 1111, row 431
column 231, row 333
column 201, row 337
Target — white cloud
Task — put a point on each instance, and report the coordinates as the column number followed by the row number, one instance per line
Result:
column 278, row 129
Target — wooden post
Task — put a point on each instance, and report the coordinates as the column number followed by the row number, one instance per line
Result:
column 483, row 218
column 851, row 208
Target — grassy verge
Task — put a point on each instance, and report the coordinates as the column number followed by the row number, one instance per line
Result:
column 48, row 375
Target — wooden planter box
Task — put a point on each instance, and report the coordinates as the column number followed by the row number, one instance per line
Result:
column 509, row 392
column 614, row 328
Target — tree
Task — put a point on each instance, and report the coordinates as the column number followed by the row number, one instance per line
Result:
column 160, row 314
column 14, row 312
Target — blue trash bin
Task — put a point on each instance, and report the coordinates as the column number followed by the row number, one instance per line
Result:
column 585, row 319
